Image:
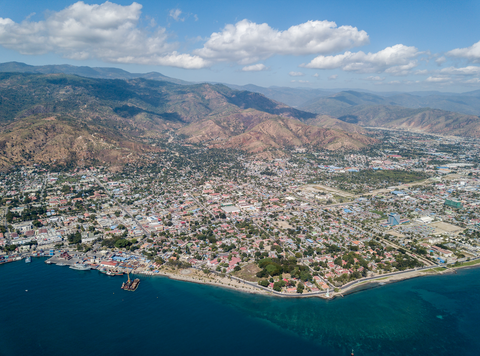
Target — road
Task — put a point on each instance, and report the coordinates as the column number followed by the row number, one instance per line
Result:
column 411, row 254
column 120, row 205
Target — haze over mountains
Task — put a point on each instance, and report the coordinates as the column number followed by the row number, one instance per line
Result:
column 69, row 119
column 110, row 115
column 307, row 99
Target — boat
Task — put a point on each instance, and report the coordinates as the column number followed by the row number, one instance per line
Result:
column 28, row 259
column 80, row 267
column 131, row 286
column 61, row 264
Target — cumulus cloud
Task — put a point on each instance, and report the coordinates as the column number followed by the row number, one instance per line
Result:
column 437, row 79
column 316, row 75
column 440, row 60
column 175, row 14
column 333, row 77
column 375, row 78
column 421, row 72
column 248, row 42
column 296, row 74
column 299, row 81
column 471, row 53
column 470, row 70
column 396, row 60
column 108, row 32
column 255, row 68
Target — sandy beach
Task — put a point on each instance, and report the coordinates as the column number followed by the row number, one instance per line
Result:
column 196, row 276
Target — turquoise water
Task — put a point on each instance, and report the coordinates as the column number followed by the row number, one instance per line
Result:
column 67, row 312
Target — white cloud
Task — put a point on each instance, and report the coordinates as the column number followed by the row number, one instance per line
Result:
column 299, row 81
column 175, row 14
column 471, row 53
column 473, row 81
column 421, row 72
column 440, row 60
column 333, row 77
column 437, row 79
column 470, row 70
column 247, row 42
column 296, row 74
column 375, row 79
column 396, row 60
column 108, row 32
column 316, row 75
column 255, row 68
column 403, row 69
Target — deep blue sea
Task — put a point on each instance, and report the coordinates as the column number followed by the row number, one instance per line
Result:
column 68, row 312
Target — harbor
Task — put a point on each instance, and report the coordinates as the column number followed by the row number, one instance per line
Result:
column 86, row 263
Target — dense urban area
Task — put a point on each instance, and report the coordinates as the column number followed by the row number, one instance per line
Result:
column 309, row 222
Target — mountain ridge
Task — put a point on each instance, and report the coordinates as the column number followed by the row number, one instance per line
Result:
column 84, row 116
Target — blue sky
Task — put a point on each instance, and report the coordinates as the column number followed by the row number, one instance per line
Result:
column 374, row 45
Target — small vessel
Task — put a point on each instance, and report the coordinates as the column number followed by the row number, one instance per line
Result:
column 28, row 259
column 80, row 267
column 62, row 264
column 131, row 285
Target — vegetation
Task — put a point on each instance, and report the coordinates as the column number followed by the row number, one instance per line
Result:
column 275, row 267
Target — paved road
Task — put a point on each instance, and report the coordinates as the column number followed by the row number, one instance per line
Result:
column 120, row 205
column 411, row 254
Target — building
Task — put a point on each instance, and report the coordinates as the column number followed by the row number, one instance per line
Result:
column 393, row 219
column 453, row 203
column 425, row 219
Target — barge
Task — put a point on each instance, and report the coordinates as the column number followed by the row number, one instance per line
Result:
column 131, row 285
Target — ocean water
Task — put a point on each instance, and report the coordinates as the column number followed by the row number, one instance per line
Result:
column 51, row 310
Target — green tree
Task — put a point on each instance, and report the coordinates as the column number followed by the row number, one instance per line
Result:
column 263, row 282
column 300, row 288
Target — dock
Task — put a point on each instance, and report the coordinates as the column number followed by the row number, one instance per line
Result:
column 129, row 285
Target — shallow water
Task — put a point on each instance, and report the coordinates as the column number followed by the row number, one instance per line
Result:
column 85, row 312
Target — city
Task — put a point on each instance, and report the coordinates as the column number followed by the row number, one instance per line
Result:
column 313, row 223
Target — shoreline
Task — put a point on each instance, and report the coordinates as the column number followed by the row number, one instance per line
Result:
column 198, row 277
column 355, row 288
column 193, row 275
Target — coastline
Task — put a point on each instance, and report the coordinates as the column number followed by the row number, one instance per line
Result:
column 198, row 277
column 193, row 275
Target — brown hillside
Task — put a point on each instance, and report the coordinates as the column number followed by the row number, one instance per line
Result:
column 53, row 142
column 281, row 133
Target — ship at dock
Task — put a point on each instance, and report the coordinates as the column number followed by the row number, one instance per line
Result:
column 131, row 285
column 80, row 267
column 28, row 259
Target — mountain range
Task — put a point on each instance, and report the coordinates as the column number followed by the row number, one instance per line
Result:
column 66, row 114
column 84, row 71
column 68, row 119
column 307, row 99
